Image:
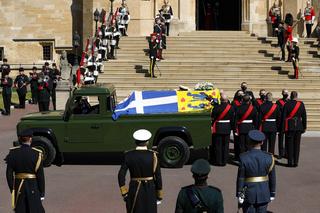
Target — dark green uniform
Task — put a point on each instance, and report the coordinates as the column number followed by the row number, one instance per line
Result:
column 6, row 84
column 21, row 82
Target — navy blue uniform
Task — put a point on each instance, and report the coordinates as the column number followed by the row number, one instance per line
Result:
column 257, row 178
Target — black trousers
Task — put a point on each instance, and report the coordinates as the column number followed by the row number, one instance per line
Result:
column 53, row 98
column 22, row 99
column 255, row 208
column 308, row 28
column 283, row 51
column 236, row 147
column 281, row 149
column 167, row 28
column 269, row 143
column 43, row 106
column 293, row 139
column 243, row 142
column 151, row 67
column 220, row 149
column 6, row 101
column 34, row 96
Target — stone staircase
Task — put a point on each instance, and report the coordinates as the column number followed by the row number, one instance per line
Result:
column 225, row 58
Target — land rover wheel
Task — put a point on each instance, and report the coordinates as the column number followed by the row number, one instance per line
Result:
column 173, row 152
column 48, row 150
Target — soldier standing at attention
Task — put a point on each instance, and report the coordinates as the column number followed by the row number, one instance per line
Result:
column 56, row 77
column 294, row 123
column 236, row 103
column 43, row 95
column 20, row 83
column 145, row 188
column 261, row 100
column 256, row 180
column 152, row 54
column 309, row 17
column 6, row 84
column 222, row 117
column 199, row 197
column 244, row 89
column 269, row 122
column 25, row 176
column 34, row 85
column 5, row 68
column 281, row 102
column 166, row 12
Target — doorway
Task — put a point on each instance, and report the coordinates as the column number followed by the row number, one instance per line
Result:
column 218, row 15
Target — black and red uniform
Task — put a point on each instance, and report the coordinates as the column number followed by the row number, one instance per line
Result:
column 281, row 102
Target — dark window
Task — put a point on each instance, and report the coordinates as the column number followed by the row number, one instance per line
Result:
column 47, row 52
column 1, row 53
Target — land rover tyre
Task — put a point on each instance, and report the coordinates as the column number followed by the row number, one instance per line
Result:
column 173, row 152
column 48, row 150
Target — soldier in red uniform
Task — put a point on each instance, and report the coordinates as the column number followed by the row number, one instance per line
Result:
column 275, row 17
column 309, row 17
column 281, row 102
column 288, row 34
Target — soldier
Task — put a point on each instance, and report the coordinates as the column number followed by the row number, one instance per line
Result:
column 158, row 30
column 199, row 197
column 34, row 85
column 145, row 189
column 281, row 40
column 281, row 102
column 244, row 89
column 25, row 176
column 288, row 33
column 275, row 17
column 294, row 123
column 256, row 180
column 6, row 84
column 43, row 94
column 246, row 119
column 295, row 50
column 222, row 117
column 261, row 100
column 237, row 101
column 20, row 83
column 269, row 122
column 309, row 17
column 166, row 12
column 124, row 18
column 5, row 68
column 152, row 54
column 56, row 77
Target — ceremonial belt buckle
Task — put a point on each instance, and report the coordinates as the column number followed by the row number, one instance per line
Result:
column 246, row 121
column 24, row 176
column 270, row 120
column 142, row 179
column 256, row 179
column 224, row 121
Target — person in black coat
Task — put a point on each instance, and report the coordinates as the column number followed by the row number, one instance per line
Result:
column 236, row 103
column 5, row 68
column 281, row 102
column 6, row 84
column 145, row 188
column 33, row 80
column 222, row 119
column 246, row 91
column 56, row 77
column 152, row 54
column 246, row 119
column 294, row 123
column 256, row 180
column 43, row 94
column 21, row 83
column 25, row 176
column 269, row 123
column 282, row 40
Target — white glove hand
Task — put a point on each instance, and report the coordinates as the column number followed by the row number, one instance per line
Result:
column 272, row 199
column 159, row 202
column 42, row 198
column 240, row 200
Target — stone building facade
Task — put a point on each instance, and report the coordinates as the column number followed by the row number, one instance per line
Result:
column 34, row 31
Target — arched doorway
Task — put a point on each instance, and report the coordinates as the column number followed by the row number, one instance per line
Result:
column 218, row 14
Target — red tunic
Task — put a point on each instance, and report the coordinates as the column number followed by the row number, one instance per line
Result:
column 308, row 13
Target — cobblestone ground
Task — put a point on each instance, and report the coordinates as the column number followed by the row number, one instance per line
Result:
column 93, row 188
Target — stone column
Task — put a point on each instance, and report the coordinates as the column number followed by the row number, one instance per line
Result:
column 245, row 15
column 258, row 16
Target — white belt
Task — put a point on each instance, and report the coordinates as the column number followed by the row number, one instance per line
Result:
column 270, row 120
column 224, row 121
column 247, row 121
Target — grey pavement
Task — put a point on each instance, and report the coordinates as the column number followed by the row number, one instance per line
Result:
column 94, row 188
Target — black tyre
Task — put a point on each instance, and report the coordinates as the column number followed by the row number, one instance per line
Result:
column 48, row 150
column 173, row 152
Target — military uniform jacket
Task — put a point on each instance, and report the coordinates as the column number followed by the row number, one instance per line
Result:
column 142, row 195
column 209, row 195
column 5, row 70
column 152, row 49
column 225, row 125
column 6, row 86
column 19, row 81
column 245, row 126
column 43, row 92
column 256, row 163
column 247, row 92
column 295, row 52
column 298, row 122
column 281, row 102
column 34, row 82
column 25, row 159
column 55, row 75
column 273, row 122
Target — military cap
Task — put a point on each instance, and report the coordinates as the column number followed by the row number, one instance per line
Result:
column 46, row 63
column 25, row 133
column 256, row 136
column 142, row 135
column 91, row 67
column 34, row 68
column 21, row 69
column 200, row 167
column 54, row 64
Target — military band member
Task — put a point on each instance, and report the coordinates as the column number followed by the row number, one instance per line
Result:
column 21, row 83
column 295, row 50
column 275, row 17
column 281, row 102
column 124, row 18
column 200, row 197
column 145, row 188
column 256, row 180
column 294, row 121
column 167, row 13
column 222, row 117
column 34, row 85
column 25, row 176
column 56, row 77
column 6, row 84
column 246, row 119
column 309, row 17
column 5, row 68
column 269, row 123
column 43, row 94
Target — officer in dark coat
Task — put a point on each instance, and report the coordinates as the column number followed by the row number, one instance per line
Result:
column 199, row 197
column 145, row 188
column 282, row 40
column 153, row 48
column 246, row 119
column 294, row 123
column 237, row 101
column 222, row 117
column 43, row 94
column 33, row 80
column 6, row 84
column 56, row 76
column 5, row 68
column 256, row 181
column 25, row 176
column 261, row 99
column 281, row 102
column 246, row 91
column 269, row 123
column 21, row 83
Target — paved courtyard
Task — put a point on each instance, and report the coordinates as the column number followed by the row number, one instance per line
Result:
column 94, row 188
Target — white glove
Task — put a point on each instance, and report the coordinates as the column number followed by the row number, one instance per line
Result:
column 42, row 198
column 159, row 202
column 272, row 199
column 240, row 200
